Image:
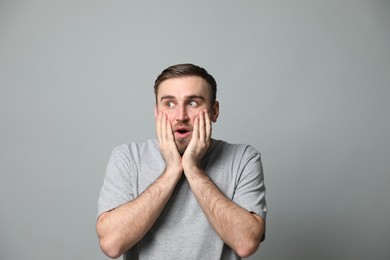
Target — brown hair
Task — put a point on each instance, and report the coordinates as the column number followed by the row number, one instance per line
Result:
column 187, row 69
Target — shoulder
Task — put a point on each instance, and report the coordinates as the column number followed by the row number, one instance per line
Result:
column 242, row 150
column 134, row 149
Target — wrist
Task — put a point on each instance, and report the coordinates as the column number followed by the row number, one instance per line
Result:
column 189, row 164
column 191, row 168
column 173, row 170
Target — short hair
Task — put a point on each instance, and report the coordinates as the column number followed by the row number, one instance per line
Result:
column 187, row 69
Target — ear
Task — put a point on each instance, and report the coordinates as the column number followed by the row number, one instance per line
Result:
column 215, row 111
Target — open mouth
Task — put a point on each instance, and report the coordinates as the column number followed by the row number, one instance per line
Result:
column 182, row 132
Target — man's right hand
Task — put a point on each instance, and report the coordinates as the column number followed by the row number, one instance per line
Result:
column 122, row 227
column 167, row 143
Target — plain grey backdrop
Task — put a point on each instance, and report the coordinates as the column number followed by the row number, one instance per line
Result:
column 305, row 82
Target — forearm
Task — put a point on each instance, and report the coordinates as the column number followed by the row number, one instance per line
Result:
column 239, row 229
column 123, row 227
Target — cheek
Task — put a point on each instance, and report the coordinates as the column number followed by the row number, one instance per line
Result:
column 193, row 114
column 171, row 118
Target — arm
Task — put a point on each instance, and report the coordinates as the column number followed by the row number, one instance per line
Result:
column 239, row 228
column 121, row 228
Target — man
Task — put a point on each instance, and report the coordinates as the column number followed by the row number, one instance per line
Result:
column 184, row 195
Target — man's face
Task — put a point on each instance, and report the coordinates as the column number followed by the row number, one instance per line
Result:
column 182, row 99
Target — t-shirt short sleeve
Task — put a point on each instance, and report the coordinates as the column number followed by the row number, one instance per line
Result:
column 116, row 189
column 250, row 188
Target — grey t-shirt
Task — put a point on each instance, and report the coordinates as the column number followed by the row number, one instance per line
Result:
column 182, row 231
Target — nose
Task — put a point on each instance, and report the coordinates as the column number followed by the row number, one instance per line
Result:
column 182, row 114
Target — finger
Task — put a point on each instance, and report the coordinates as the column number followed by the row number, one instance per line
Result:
column 158, row 127
column 195, row 130
column 202, row 133
column 208, row 125
column 168, row 133
column 169, row 130
column 163, row 128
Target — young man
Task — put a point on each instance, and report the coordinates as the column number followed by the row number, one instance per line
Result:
column 184, row 195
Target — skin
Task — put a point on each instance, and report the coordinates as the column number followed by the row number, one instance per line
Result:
column 184, row 116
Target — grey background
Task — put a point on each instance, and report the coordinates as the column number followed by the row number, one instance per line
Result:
column 305, row 82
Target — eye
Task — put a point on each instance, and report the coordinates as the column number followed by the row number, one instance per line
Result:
column 170, row 104
column 193, row 103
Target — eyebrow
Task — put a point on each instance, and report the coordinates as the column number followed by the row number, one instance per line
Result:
column 167, row 97
column 187, row 97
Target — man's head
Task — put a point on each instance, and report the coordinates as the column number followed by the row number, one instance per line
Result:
column 187, row 69
column 182, row 92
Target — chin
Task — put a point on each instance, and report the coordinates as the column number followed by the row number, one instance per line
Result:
column 181, row 151
column 181, row 147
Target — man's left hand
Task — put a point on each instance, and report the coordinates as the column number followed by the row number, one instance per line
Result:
column 200, row 141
